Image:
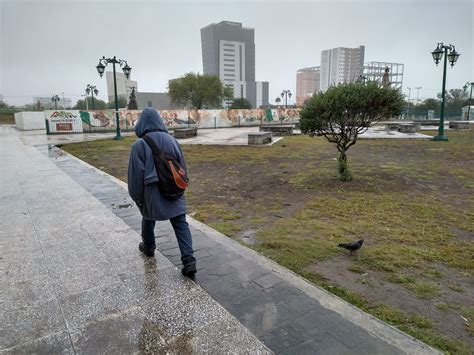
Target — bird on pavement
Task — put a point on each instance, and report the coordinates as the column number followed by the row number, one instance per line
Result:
column 352, row 246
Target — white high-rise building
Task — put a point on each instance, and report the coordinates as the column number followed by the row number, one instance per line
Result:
column 124, row 85
column 341, row 65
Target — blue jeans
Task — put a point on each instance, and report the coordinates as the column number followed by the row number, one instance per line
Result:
column 183, row 235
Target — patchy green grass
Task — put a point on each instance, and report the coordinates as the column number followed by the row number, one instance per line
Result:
column 411, row 201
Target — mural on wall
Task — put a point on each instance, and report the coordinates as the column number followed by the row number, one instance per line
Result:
column 105, row 120
column 63, row 121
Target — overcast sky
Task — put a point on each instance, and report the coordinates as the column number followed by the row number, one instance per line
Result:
column 50, row 47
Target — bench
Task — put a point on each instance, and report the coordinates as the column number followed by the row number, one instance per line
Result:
column 391, row 126
column 278, row 130
column 185, row 132
column 428, row 122
column 459, row 125
column 407, row 128
column 257, row 138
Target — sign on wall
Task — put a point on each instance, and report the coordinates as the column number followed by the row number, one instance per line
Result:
column 63, row 121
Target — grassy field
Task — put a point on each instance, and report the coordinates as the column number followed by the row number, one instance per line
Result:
column 7, row 116
column 410, row 200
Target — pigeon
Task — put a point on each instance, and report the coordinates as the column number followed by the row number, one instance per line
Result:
column 352, row 246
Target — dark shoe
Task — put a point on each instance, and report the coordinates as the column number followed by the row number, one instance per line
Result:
column 189, row 271
column 146, row 252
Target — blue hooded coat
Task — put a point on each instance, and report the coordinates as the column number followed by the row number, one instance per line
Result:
column 142, row 176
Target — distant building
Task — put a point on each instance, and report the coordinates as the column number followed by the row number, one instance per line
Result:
column 124, row 85
column 341, row 65
column 228, row 51
column 157, row 100
column 47, row 104
column 307, row 83
column 373, row 71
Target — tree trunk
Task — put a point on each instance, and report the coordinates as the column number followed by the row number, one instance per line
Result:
column 344, row 172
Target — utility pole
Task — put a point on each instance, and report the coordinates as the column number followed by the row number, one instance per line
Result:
column 408, row 106
column 418, row 94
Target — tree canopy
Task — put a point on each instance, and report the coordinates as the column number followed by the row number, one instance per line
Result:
column 122, row 103
column 343, row 112
column 241, row 103
column 198, row 91
column 98, row 104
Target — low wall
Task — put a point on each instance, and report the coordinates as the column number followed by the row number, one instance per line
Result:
column 29, row 120
column 105, row 120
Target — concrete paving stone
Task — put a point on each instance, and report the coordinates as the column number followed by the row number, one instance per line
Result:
column 84, row 278
column 268, row 281
column 200, row 254
column 68, row 259
column 220, row 270
column 376, row 346
column 128, row 332
column 247, row 270
column 283, row 338
column 85, row 306
column 171, row 252
column 23, row 269
column 172, row 244
column 138, row 264
column 176, row 260
column 221, row 337
column 15, row 295
column 57, row 343
column 162, row 239
column 28, row 248
column 157, row 285
column 28, row 323
column 180, row 312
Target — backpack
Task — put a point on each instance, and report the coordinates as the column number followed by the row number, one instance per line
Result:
column 172, row 177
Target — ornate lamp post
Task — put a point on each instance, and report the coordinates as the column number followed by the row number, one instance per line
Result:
column 103, row 62
column 470, row 97
column 452, row 56
column 90, row 89
column 286, row 94
column 55, row 99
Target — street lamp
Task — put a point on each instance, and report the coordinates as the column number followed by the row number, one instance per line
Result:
column 286, row 94
column 471, row 84
column 55, row 99
column 90, row 89
column 452, row 56
column 103, row 62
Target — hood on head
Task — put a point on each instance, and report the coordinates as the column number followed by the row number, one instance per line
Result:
column 149, row 121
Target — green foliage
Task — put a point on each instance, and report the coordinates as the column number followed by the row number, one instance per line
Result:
column 343, row 112
column 122, row 103
column 199, row 91
column 98, row 104
column 241, row 103
column 4, row 104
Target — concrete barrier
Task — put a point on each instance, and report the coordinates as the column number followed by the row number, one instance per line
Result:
column 459, row 125
column 278, row 130
column 30, row 120
column 407, row 128
column 257, row 138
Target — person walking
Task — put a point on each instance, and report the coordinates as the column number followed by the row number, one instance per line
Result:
column 144, row 189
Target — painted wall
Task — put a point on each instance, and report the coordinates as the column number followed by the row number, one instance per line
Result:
column 105, row 120
column 63, row 121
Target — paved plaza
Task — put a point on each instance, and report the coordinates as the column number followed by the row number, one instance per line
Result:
column 73, row 281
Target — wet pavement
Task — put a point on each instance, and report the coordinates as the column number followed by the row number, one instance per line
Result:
column 73, row 281
column 80, row 284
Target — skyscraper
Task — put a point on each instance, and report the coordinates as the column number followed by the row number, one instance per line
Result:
column 228, row 51
column 341, row 65
column 307, row 83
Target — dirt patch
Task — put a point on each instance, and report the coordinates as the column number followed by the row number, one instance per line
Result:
column 374, row 287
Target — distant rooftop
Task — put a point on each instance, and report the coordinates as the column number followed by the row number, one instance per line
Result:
column 230, row 23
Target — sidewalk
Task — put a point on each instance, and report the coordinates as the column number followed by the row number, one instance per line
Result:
column 73, row 281
column 288, row 314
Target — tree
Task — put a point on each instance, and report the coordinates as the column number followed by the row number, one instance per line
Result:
column 98, row 104
column 343, row 112
column 455, row 100
column 278, row 100
column 3, row 104
column 122, row 103
column 241, row 103
column 198, row 91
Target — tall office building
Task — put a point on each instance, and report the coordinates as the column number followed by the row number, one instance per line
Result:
column 341, row 65
column 374, row 71
column 124, row 85
column 307, row 83
column 228, row 51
